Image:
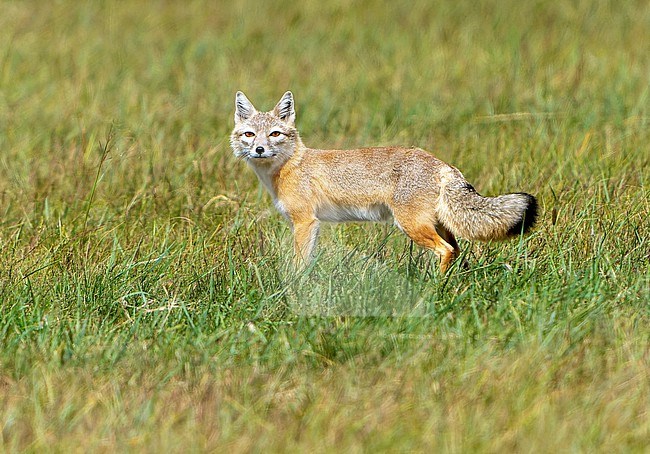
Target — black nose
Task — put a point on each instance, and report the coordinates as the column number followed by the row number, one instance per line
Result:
column 259, row 150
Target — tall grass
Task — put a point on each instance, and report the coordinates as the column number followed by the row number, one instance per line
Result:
column 146, row 297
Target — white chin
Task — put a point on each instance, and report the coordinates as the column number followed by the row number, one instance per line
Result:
column 261, row 156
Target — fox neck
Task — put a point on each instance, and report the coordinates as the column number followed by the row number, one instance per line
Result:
column 268, row 170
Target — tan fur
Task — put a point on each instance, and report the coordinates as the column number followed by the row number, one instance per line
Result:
column 426, row 198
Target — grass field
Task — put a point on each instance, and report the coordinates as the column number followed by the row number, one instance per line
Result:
column 146, row 297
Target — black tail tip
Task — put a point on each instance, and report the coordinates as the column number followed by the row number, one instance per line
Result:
column 528, row 219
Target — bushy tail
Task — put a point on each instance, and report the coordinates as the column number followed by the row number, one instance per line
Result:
column 468, row 214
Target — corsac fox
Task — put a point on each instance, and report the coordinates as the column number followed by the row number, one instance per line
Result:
column 429, row 200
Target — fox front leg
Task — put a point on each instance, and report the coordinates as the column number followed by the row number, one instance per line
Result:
column 305, row 233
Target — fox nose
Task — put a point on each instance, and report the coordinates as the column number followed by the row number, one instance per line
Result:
column 259, row 150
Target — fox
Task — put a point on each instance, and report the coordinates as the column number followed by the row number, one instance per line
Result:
column 427, row 199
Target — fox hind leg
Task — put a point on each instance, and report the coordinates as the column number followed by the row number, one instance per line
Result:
column 425, row 234
column 451, row 239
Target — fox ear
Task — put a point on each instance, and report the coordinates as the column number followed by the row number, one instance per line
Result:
column 285, row 108
column 243, row 108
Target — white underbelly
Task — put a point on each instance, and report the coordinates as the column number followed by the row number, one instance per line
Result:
column 374, row 213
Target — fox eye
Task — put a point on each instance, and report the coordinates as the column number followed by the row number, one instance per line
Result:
column 275, row 134
column 249, row 134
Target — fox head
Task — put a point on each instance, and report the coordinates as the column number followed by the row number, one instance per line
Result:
column 264, row 137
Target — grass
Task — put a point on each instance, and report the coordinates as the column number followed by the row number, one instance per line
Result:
column 146, row 301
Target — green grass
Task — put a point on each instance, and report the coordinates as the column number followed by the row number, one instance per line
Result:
column 146, row 297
